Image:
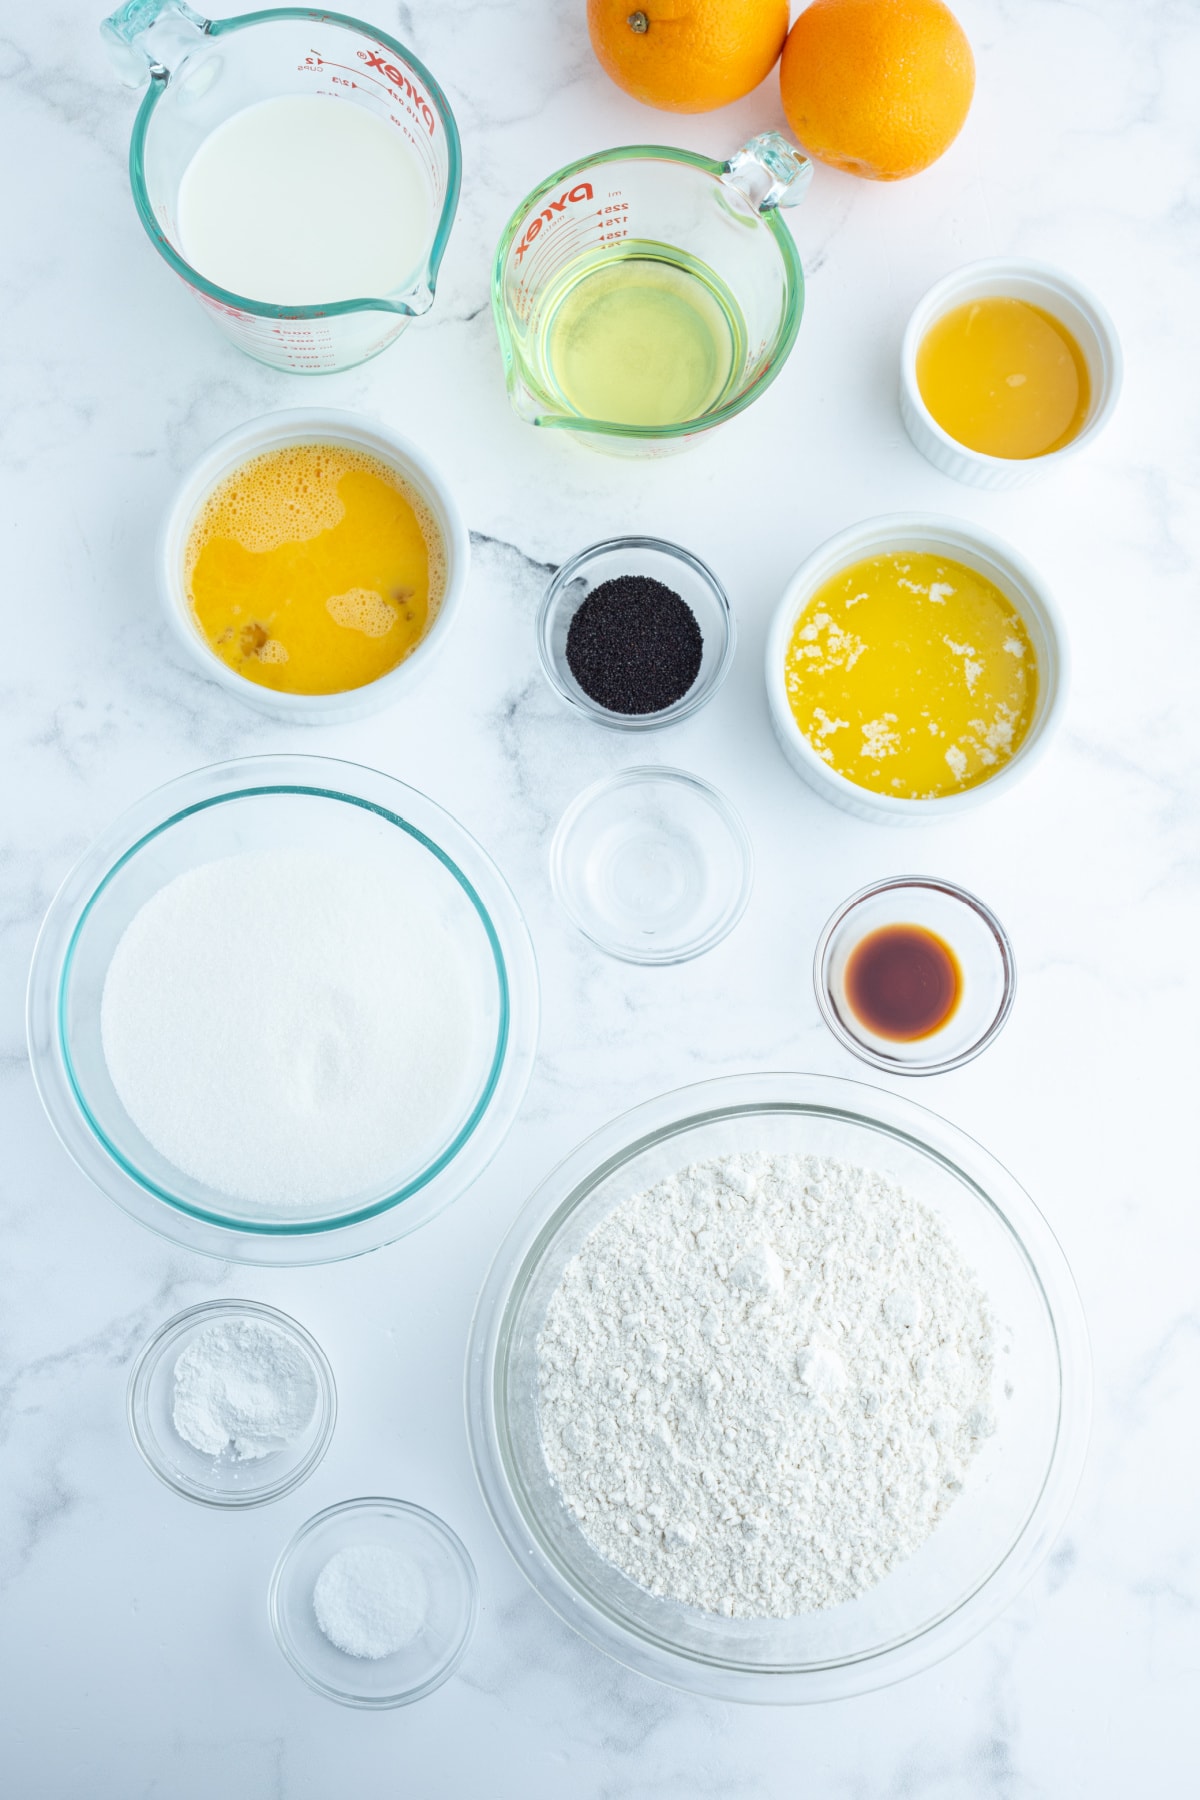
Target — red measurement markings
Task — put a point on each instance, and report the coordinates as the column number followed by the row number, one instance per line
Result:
column 544, row 246
column 557, row 247
column 613, row 221
column 425, row 113
column 396, row 82
column 570, row 196
column 550, row 254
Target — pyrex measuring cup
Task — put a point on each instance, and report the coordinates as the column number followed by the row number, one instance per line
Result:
column 201, row 72
column 717, row 222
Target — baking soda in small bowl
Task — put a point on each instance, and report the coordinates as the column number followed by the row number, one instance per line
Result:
column 232, row 1403
column 243, row 1389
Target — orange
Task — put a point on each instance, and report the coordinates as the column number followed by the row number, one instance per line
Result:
column 687, row 55
column 877, row 87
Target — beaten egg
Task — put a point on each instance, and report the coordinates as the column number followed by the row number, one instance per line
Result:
column 314, row 569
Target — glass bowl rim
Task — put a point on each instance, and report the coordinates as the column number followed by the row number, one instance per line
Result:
column 642, row 774
column 391, row 1506
column 351, row 1232
column 894, row 1065
column 150, row 1355
column 568, row 1185
column 698, row 695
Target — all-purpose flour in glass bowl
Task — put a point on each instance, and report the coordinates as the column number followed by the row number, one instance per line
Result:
column 883, row 1622
column 763, row 1381
column 284, row 1010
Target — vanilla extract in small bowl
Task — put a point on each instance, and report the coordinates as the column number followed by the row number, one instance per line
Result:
column 914, row 975
column 903, row 982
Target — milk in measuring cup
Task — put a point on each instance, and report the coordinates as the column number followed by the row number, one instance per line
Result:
column 304, row 200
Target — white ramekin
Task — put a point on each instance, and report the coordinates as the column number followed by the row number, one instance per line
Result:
column 980, row 550
column 1040, row 285
column 300, row 426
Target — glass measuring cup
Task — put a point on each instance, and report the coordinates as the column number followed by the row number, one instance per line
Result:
column 711, row 223
column 201, row 72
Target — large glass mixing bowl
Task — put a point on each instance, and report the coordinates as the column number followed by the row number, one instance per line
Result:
column 289, row 803
column 1017, row 1492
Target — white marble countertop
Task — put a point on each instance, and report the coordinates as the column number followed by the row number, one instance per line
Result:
column 135, row 1654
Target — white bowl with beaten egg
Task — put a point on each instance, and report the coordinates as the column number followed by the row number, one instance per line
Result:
column 979, row 550
column 276, row 431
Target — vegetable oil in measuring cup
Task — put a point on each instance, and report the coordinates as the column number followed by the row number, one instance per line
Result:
column 644, row 335
column 305, row 200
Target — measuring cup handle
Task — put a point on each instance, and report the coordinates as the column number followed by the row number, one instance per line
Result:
column 142, row 35
column 769, row 171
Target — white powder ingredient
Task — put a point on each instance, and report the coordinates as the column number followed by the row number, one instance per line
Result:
column 370, row 1601
column 243, row 1388
column 289, row 1027
column 761, row 1382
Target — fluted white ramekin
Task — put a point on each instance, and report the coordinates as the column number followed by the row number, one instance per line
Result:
column 1040, row 285
column 979, row 550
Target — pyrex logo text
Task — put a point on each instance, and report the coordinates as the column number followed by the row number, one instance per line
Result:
column 581, row 191
column 374, row 60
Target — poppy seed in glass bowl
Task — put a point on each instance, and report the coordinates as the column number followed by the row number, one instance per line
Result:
column 634, row 646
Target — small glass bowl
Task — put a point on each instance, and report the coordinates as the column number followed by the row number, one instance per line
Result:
column 973, row 933
column 222, row 1480
column 422, row 1665
column 652, row 864
column 677, row 569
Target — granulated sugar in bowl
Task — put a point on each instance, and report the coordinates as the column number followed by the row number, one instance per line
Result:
column 370, row 1600
column 856, row 1498
column 316, row 1034
column 284, row 1010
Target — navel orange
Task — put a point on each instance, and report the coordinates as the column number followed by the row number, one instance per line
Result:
column 687, row 55
column 879, row 88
